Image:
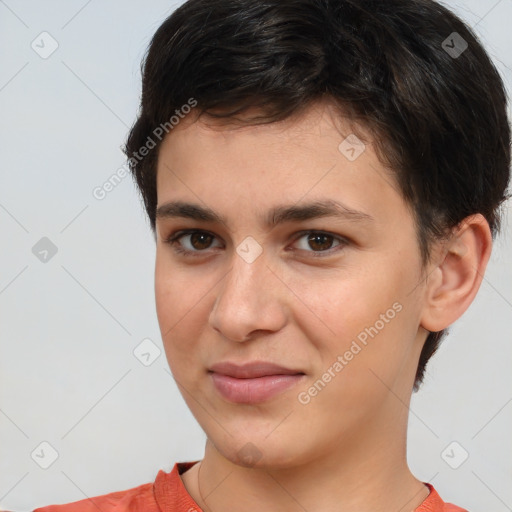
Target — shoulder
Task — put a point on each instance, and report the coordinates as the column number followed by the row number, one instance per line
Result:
column 137, row 498
column 434, row 503
column 450, row 507
column 167, row 492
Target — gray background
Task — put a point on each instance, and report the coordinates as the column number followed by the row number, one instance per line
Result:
column 68, row 327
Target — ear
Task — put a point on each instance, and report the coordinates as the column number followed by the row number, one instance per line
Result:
column 455, row 279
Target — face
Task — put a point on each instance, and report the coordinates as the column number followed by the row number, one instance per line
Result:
column 257, row 271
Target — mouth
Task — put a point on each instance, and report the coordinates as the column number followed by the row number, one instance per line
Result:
column 253, row 382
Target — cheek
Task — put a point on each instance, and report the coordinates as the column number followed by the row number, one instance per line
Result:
column 177, row 293
column 165, row 297
column 178, row 309
column 367, row 317
column 344, row 303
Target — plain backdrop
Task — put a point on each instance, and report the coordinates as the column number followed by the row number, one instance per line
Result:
column 72, row 392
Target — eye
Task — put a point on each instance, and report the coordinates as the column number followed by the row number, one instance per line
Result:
column 321, row 242
column 199, row 241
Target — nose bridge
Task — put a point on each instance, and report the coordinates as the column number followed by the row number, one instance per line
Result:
column 244, row 283
column 247, row 299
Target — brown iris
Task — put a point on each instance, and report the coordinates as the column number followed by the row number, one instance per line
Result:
column 200, row 238
column 322, row 245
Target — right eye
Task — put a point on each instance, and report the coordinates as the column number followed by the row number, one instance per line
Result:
column 198, row 243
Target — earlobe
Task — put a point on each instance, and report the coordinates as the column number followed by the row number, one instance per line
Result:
column 452, row 285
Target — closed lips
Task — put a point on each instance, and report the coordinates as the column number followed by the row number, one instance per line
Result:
column 252, row 370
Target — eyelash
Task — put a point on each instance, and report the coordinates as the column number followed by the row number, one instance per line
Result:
column 173, row 238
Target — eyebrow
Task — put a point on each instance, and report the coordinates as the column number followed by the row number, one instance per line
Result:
column 278, row 215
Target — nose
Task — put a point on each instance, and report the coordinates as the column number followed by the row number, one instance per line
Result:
column 250, row 301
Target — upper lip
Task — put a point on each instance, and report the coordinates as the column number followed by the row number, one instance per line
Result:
column 252, row 370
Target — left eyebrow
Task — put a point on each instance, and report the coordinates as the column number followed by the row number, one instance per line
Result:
column 314, row 210
column 277, row 215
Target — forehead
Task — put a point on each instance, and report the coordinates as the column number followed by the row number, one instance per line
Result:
column 315, row 154
column 315, row 137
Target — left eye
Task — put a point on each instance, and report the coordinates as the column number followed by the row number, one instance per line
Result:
column 320, row 241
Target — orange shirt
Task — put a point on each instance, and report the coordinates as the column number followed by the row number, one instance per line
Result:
column 168, row 494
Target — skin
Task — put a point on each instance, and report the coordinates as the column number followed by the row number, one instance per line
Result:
column 346, row 448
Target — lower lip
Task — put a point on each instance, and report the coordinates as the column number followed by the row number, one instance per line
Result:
column 251, row 391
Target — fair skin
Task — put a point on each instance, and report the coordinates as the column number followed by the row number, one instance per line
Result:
column 345, row 449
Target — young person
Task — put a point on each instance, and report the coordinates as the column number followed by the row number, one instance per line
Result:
column 323, row 179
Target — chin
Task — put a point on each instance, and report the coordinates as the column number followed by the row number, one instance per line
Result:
column 261, row 452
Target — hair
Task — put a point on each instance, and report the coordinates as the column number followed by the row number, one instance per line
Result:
column 439, row 119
